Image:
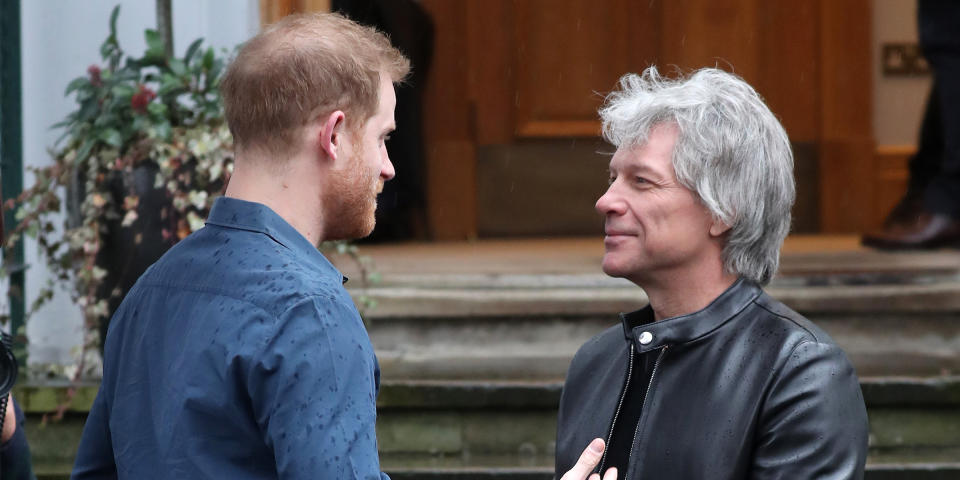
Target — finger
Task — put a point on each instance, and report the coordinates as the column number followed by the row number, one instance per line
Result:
column 610, row 475
column 588, row 461
column 595, row 476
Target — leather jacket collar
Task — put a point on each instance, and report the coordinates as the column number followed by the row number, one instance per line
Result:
column 646, row 335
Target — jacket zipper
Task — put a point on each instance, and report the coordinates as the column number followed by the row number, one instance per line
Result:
column 623, row 396
column 643, row 405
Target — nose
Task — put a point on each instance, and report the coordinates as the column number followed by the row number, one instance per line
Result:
column 386, row 169
column 609, row 203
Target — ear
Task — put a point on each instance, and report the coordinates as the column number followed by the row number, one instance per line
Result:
column 718, row 228
column 332, row 131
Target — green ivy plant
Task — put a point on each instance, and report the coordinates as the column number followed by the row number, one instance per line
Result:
column 156, row 108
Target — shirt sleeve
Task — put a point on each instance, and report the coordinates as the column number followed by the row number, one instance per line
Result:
column 95, row 454
column 814, row 423
column 313, row 392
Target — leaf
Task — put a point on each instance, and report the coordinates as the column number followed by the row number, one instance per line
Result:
column 77, row 83
column 111, row 137
column 113, row 22
column 65, row 134
column 108, row 47
column 154, row 43
column 168, row 84
column 213, row 76
column 66, row 122
column 178, row 67
column 140, row 122
column 163, row 130
column 208, row 59
column 88, row 110
column 127, row 75
column 106, row 119
column 191, row 50
column 157, row 109
column 123, row 91
column 213, row 110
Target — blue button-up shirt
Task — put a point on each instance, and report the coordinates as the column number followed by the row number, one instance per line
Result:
column 237, row 355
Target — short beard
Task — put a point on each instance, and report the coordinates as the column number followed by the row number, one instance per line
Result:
column 350, row 202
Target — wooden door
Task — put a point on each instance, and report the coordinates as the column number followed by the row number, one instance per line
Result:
column 273, row 10
column 510, row 72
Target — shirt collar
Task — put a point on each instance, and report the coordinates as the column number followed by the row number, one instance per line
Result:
column 639, row 326
column 256, row 217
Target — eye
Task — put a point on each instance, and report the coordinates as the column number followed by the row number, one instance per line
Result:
column 640, row 180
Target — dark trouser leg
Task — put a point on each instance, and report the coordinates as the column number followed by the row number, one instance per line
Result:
column 938, row 22
column 943, row 192
column 925, row 164
column 937, row 163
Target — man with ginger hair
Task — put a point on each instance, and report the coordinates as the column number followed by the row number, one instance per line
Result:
column 239, row 354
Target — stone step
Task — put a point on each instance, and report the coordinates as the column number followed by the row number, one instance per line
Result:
column 504, row 430
column 480, row 469
column 519, row 309
column 491, row 469
column 906, row 415
column 529, row 326
column 511, row 329
column 462, row 430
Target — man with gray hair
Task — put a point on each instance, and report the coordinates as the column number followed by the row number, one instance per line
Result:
column 714, row 378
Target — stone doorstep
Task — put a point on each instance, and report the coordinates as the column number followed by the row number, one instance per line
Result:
column 813, row 277
column 486, row 444
column 456, row 297
column 471, row 421
column 874, row 472
column 441, row 443
column 801, row 255
column 907, row 472
column 541, row 347
column 878, row 392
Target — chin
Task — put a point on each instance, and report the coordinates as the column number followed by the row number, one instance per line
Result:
column 612, row 269
column 366, row 231
column 365, row 228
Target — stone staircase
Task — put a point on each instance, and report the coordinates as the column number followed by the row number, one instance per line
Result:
column 475, row 358
column 474, row 341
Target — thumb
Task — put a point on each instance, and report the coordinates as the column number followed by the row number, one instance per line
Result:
column 589, row 460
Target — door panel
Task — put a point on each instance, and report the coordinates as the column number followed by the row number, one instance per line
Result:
column 508, row 72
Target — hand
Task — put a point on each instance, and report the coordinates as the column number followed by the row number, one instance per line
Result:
column 9, row 422
column 589, row 460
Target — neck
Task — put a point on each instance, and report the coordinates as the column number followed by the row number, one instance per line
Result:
column 673, row 295
column 287, row 186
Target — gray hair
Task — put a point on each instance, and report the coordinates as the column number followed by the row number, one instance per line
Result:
column 731, row 151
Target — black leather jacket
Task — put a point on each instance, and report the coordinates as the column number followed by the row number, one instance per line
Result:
column 744, row 389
